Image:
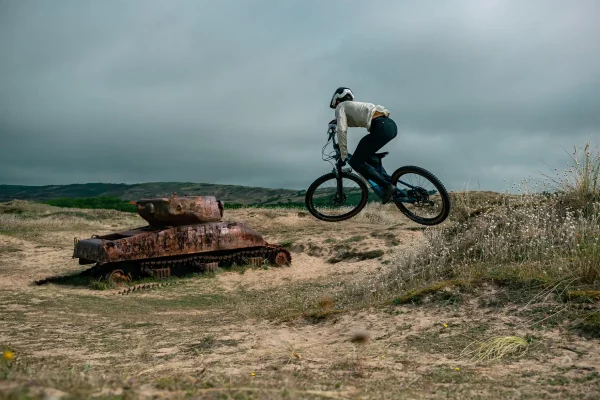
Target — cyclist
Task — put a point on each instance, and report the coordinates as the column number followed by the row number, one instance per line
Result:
column 382, row 129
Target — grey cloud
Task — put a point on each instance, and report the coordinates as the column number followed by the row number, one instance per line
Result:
column 235, row 92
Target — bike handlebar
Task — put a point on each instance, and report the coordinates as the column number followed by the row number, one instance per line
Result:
column 331, row 133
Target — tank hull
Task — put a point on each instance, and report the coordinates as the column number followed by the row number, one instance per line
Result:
column 151, row 242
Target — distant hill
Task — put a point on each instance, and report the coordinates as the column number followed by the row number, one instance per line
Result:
column 227, row 193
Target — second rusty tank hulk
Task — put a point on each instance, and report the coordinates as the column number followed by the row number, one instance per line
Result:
column 185, row 234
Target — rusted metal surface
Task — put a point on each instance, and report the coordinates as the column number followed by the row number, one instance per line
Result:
column 256, row 261
column 148, row 242
column 208, row 267
column 281, row 258
column 144, row 286
column 118, row 276
column 161, row 273
column 177, row 211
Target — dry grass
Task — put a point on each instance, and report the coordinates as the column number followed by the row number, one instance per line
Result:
column 27, row 220
column 496, row 348
column 531, row 232
column 580, row 180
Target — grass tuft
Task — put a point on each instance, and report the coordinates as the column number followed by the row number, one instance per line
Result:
column 344, row 254
column 416, row 296
column 584, row 296
column 496, row 348
column 590, row 325
column 353, row 239
column 100, row 285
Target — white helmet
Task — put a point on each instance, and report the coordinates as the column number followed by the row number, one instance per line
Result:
column 342, row 94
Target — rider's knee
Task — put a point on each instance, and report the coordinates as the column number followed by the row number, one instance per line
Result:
column 355, row 165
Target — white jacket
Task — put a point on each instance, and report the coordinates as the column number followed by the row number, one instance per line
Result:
column 354, row 114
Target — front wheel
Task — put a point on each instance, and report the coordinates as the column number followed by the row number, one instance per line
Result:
column 424, row 198
column 328, row 202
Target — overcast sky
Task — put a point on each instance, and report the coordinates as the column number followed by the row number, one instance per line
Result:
column 237, row 91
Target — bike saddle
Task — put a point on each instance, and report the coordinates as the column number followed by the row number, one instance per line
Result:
column 381, row 155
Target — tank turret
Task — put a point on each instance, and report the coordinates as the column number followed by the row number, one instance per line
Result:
column 178, row 211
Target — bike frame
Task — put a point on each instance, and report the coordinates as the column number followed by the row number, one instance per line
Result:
column 374, row 186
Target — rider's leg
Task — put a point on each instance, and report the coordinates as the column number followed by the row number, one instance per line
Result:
column 383, row 130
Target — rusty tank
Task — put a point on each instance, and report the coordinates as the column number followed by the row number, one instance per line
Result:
column 185, row 234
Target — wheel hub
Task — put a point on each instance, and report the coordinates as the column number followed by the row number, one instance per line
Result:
column 338, row 200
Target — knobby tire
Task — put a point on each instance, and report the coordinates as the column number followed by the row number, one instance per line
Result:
column 311, row 190
column 438, row 185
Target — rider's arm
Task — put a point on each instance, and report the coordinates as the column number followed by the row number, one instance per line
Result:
column 342, row 130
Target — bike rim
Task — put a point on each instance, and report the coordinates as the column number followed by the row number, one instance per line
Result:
column 327, row 203
column 424, row 200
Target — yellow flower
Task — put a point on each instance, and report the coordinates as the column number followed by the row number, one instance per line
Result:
column 252, row 373
column 458, row 369
column 445, row 325
column 8, row 355
column 383, row 357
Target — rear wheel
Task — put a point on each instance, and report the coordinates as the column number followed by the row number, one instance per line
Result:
column 326, row 203
column 427, row 202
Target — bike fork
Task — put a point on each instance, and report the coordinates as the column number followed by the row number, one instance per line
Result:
column 339, row 182
column 339, row 179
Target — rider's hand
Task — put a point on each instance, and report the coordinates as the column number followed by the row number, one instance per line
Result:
column 333, row 124
column 341, row 162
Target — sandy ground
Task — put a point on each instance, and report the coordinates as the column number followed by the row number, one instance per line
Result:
column 226, row 335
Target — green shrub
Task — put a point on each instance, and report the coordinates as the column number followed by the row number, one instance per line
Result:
column 100, row 202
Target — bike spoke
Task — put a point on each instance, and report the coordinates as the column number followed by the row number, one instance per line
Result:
column 424, row 200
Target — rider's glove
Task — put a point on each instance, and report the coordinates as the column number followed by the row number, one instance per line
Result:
column 333, row 124
column 341, row 162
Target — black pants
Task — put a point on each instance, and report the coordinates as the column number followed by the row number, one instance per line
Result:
column 383, row 130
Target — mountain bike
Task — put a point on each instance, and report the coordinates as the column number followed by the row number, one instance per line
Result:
column 332, row 197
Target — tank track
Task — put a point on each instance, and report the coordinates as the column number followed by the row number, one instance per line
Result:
column 144, row 286
column 239, row 257
column 198, row 262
